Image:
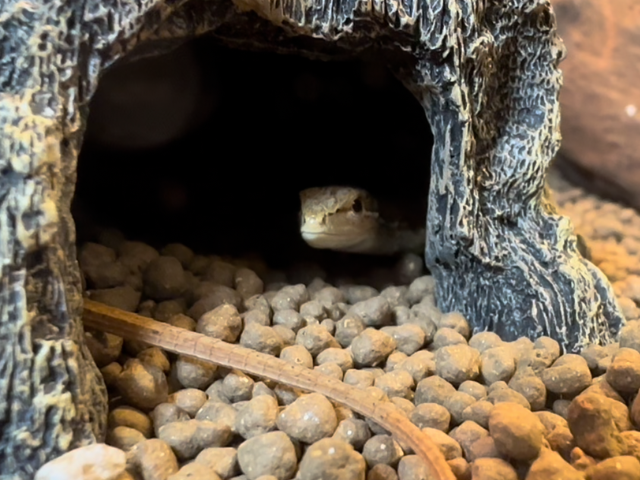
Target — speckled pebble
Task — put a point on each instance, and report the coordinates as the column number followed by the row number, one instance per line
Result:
column 568, row 375
column 336, row 460
column 190, row 437
column 624, row 372
column 374, row 312
column 359, row 378
column 498, row 364
column 316, row 339
column 484, row 447
column 218, row 412
column 483, row 341
column 467, row 434
column 420, row 365
column 154, row 459
column 256, row 316
column 492, row 469
column 506, row 395
column 530, row 387
column 358, row 293
column 272, row 453
column 142, row 386
column 353, row 431
column 289, row 318
column 257, row 416
column 223, row 461
column 456, row 404
column 308, row 419
column 473, row 388
column 409, row 337
column 247, row 283
column 194, row 471
column 478, row 412
column 448, row 446
column 237, row 386
column 434, row 389
column 517, row 432
column 194, row 373
column 457, row 363
column 382, row 472
column 290, row 297
column 331, row 370
column 223, row 322
column 371, row 347
column 297, row 355
column 348, row 328
column 382, row 449
column 446, row 337
column 630, row 336
column 164, row 278
column 397, row 383
column 455, row 321
column 338, row 356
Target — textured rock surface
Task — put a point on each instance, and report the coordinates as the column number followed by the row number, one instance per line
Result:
column 600, row 98
column 486, row 75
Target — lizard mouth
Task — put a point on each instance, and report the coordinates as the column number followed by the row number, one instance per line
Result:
column 331, row 240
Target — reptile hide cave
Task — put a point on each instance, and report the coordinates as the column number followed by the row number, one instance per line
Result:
column 484, row 72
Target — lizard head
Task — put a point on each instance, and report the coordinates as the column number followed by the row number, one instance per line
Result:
column 337, row 218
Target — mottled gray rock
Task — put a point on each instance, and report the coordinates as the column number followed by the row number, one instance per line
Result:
column 336, row 460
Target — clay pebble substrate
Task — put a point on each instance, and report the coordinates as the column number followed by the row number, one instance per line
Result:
column 518, row 408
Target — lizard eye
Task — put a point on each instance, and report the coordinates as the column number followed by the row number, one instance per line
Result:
column 357, row 205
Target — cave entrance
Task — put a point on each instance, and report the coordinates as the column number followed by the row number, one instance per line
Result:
column 209, row 147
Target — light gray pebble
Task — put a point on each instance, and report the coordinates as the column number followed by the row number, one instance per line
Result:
column 498, row 364
column 286, row 395
column 398, row 383
column 124, row 438
column 190, row 400
column 457, row 322
column 287, row 335
column 593, row 354
column 257, row 416
column 272, row 453
column 256, row 316
column 448, row 446
column 456, row 404
column 313, row 309
column 237, row 386
column 215, row 391
column 337, row 460
column 396, row 296
column 527, row 383
column 194, row 373
column 473, row 388
column 561, row 407
column 124, row 297
column 348, row 328
column 262, row 339
column 332, row 370
column 372, row 347
column 374, row 312
column 353, row 431
column 297, row 355
column 483, row 341
column 478, row 412
column 419, row 318
column 260, row 388
column 315, row 338
column 548, row 344
column 190, row 437
column 446, row 337
column 431, row 415
column 358, row 378
column 164, row 278
column 434, row 389
column 166, row 413
column 409, row 337
column 382, row 449
column 420, row 288
column 457, row 363
column 223, row 461
column 221, row 272
column 290, row 297
column 329, row 324
column 328, row 296
column 393, row 360
column 420, row 365
column 258, row 302
column 503, row 395
column 142, row 386
column 289, row 318
column 630, row 336
column 308, row 419
column 247, row 283
column 467, row 434
column 358, row 293
column 569, row 375
column 403, row 404
column 336, row 355
column 218, row 412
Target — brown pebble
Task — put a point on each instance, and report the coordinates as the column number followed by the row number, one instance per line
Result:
column 550, row 465
column 194, row 471
column 449, row 447
column 580, row 460
column 632, row 440
column 431, row 415
column 483, row 448
column 568, row 375
column 460, row 468
column 190, row 437
column 624, row 372
column 618, row 468
column 492, row 469
column 529, row 385
column 517, row 432
column 124, row 438
column 456, row 404
column 593, row 426
column 473, row 388
column 498, row 364
column 483, row 341
column 189, row 399
column 434, row 389
column 141, row 385
column 412, row 467
column 221, row 460
column 126, row 416
column 257, row 416
column 155, row 459
column 635, row 410
column 467, row 434
column 478, row 412
column 382, row 472
column 104, row 347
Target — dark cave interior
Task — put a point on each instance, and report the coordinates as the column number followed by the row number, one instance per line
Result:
column 209, row 146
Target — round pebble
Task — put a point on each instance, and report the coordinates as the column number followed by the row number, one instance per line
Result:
column 371, row 347
column 308, row 419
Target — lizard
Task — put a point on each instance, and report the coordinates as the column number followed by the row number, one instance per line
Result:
column 348, row 219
